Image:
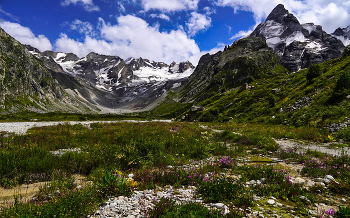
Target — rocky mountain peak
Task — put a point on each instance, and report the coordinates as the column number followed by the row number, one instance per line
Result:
column 343, row 34
column 297, row 45
column 246, row 59
column 180, row 67
column 281, row 15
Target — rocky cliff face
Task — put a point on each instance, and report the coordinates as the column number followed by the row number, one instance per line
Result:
column 297, row 45
column 26, row 84
column 247, row 59
column 343, row 34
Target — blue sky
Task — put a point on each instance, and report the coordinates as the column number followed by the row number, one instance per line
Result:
column 160, row 30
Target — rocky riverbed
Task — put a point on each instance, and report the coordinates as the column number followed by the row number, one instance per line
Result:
column 21, row 128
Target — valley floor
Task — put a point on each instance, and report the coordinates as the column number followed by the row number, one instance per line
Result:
column 221, row 171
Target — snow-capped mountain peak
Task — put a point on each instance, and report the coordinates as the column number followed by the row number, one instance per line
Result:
column 343, row 34
column 298, row 45
column 132, row 84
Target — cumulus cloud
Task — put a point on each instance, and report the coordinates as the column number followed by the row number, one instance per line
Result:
column 197, row 23
column 87, row 4
column 330, row 14
column 25, row 36
column 209, row 11
column 127, row 39
column 161, row 16
column 170, row 5
column 83, row 27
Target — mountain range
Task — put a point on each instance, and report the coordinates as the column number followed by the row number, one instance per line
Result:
column 57, row 81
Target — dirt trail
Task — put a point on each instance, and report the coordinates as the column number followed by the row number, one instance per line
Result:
column 26, row 192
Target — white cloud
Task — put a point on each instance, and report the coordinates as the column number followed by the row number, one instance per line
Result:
column 161, row 16
column 87, row 4
column 241, row 34
column 170, row 5
column 121, row 7
column 133, row 37
column 197, row 23
column 83, row 27
column 9, row 15
column 209, row 11
column 330, row 14
column 25, row 36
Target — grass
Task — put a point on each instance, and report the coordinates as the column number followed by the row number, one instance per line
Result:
column 155, row 153
column 58, row 116
column 296, row 99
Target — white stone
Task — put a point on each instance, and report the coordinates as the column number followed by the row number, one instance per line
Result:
column 271, row 201
column 299, row 180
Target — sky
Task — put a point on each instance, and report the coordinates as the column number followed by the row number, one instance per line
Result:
column 159, row 30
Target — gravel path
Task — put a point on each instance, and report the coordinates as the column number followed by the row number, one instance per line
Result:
column 21, row 128
column 320, row 147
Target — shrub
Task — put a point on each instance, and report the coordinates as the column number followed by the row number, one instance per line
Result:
column 344, row 134
column 167, row 208
column 343, row 82
column 225, row 190
column 230, row 136
column 314, row 71
column 113, row 183
column 346, row 51
column 272, row 100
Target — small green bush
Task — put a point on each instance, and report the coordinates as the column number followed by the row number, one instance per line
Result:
column 167, row 208
column 272, row 100
column 230, row 136
column 112, row 184
column 225, row 190
column 343, row 212
column 344, row 134
column 343, row 82
column 346, row 51
column 314, row 71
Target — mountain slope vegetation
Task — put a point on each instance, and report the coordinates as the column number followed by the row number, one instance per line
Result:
column 302, row 98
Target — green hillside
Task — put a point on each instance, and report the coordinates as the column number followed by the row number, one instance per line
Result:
column 314, row 96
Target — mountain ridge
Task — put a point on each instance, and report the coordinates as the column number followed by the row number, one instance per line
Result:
column 133, row 84
column 297, row 45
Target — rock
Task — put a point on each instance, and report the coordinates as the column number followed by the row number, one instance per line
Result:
column 304, row 198
column 219, row 205
column 196, row 108
column 57, row 193
column 299, row 180
column 311, row 212
column 271, row 201
column 328, row 179
column 309, row 183
column 279, row 28
column 275, row 91
column 320, row 184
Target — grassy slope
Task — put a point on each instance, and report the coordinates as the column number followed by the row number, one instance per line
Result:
column 262, row 104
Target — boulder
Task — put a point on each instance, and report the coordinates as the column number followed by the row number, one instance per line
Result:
column 299, row 180
column 196, row 108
